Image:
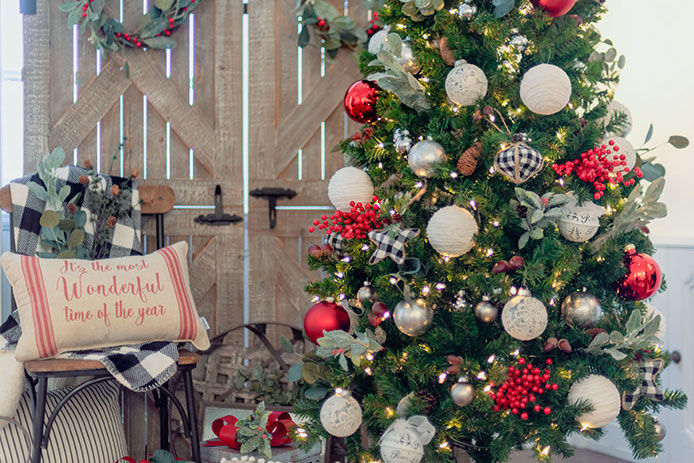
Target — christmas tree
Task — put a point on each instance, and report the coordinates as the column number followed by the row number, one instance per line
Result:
column 488, row 261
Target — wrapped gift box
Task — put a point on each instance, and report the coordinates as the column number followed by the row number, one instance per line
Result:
column 285, row 454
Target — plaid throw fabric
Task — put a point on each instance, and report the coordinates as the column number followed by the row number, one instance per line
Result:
column 648, row 370
column 140, row 367
column 519, row 162
column 391, row 243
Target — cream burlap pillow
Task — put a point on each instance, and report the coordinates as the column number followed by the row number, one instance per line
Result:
column 70, row 304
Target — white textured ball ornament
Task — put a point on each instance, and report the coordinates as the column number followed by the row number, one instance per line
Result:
column 350, row 184
column 451, row 231
column 652, row 310
column 425, row 156
column 341, row 414
column 545, row 89
column 603, row 396
column 580, row 223
column 614, row 110
column 404, row 440
column 626, row 149
column 466, row 83
column 524, row 317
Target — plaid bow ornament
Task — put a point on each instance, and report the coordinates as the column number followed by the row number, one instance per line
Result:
column 648, row 370
column 391, row 242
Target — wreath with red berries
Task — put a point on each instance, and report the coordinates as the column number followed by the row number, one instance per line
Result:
column 108, row 34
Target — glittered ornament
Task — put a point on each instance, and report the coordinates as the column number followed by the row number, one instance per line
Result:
column 617, row 110
column 603, row 396
column 413, row 317
column 402, row 141
column 555, row 8
column 622, row 150
column 545, row 89
column 485, row 311
column 365, row 293
column 360, row 101
column 580, row 223
column 466, row 10
column 462, row 393
column 341, row 414
column 518, row 162
column 347, row 185
column 404, row 440
column 643, row 276
column 518, row 41
column 467, row 162
column 524, row 317
column 451, row 231
column 325, row 316
column 660, row 430
column 581, row 310
column 466, row 84
column 425, row 156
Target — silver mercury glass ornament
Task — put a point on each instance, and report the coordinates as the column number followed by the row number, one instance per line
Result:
column 581, row 310
column 660, row 430
column 424, row 156
column 485, row 311
column 518, row 41
column 413, row 317
column 462, row 393
column 365, row 293
column 402, row 141
column 466, row 10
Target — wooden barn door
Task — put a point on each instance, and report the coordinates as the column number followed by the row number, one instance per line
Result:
column 296, row 117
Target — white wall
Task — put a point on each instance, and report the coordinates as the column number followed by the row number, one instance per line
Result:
column 658, row 86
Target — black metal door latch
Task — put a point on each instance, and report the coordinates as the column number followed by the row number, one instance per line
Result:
column 272, row 195
column 219, row 217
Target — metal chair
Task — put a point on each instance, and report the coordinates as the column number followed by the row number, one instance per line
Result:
column 157, row 201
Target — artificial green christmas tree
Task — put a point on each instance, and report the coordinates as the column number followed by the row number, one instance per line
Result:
column 497, row 216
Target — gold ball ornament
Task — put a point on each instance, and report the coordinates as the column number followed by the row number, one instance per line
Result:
column 462, row 393
column 350, row 184
column 413, row 317
column 524, row 317
column 602, row 394
column 466, row 84
column 486, row 312
column 545, row 89
column 425, row 156
column 451, row 231
column 341, row 414
column 581, row 310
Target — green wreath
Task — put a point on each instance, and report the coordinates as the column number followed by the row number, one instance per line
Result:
column 106, row 33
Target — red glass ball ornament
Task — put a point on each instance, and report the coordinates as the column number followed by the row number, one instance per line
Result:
column 555, row 8
column 360, row 101
column 643, row 276
column 325, row 316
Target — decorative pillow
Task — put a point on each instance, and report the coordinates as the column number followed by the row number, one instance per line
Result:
column 71, row 304
column 87, row 429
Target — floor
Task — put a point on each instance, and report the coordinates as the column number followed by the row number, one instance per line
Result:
column 581, row 456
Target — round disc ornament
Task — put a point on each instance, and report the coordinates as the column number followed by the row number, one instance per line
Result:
column 602, row 394
column 413, row 317
column 545, row 89
column 350, row 184
column 524, row 317
column 519, row 162
column 341, row 414
column 466, row 84
column 581, row 310
column 424, row 156
column 580, row 223
column 451, row 231
column 360, row 101
column 643, row 276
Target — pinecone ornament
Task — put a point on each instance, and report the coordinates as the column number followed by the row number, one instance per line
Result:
column 595, row 331
column 446, row 52
column 429, row 401
column 467, row 162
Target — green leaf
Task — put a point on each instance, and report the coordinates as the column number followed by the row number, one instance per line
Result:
column 600, row 340
column 634, row 322
column 654, row 191
column 325, row 10
column 656, row 210
column 616, row 354
column 80, row 218
column 611, row 54
column 344, row 22
column 678, row 141
column 49, row 219
column 76, row 238
column 537, row 215
column 55, row 159
column 162, row 456
column 160, row 42
column 286, row 345
column 68, row 254
column 38, row 191
column 97, row 6
column 64, row 191
column 304, row 36
column 68, row 6
column 523, row 240
column 126, row 70
column 649, row 134
column 343, row 362
column 616, row 337
column 74, row 18
column 66, row 225
column 652, row 172
column 622, row 62
column 164, row 4
column 294, row 374
column 317, row 392
column 537, row 234
column 46, row 255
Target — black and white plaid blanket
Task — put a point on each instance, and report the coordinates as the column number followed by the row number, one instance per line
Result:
column 140, row 367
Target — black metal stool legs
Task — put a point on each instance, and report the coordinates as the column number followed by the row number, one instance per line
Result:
column 163, row 418
column 39, row 411
column 192, row 414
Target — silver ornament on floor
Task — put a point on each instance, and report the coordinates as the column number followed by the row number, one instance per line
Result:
column 485, row 311
column 365, row 293
column 466, row 11
column 660, row 430
column 402, row 141
column 518, row 41
column 424, row 156
column 462, row 393
column 413, row 317
column 581, row 310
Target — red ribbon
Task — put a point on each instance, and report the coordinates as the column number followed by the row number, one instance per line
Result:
column 278, row 426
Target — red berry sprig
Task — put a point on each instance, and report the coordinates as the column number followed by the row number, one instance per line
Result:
column 522, row 389
column 355, row 223
column 597, row 166
column 374, row 25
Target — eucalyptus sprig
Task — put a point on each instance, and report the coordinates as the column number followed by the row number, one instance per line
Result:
column 640, row 334
column 343, row 345
column 252, row 432
column 540, row 213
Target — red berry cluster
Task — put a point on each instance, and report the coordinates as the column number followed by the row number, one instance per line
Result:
column 374, row 27
column 356, row 223
column 84, row 8
column 321, row 22
column 596, row 166
column 522, row 388
column 129, row 39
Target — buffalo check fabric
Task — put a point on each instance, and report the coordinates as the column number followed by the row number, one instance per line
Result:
column 519, row 162
column 648, row 371
column 140, row 367
column 391, row 243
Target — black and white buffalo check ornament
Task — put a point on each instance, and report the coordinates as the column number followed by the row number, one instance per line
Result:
column 648, row 370
column 391, row 242
column 519, row 162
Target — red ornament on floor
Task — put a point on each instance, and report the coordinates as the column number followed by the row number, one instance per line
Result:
column 360, row 101
column 555, row 8
column 643, row 276
column 325, row 316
